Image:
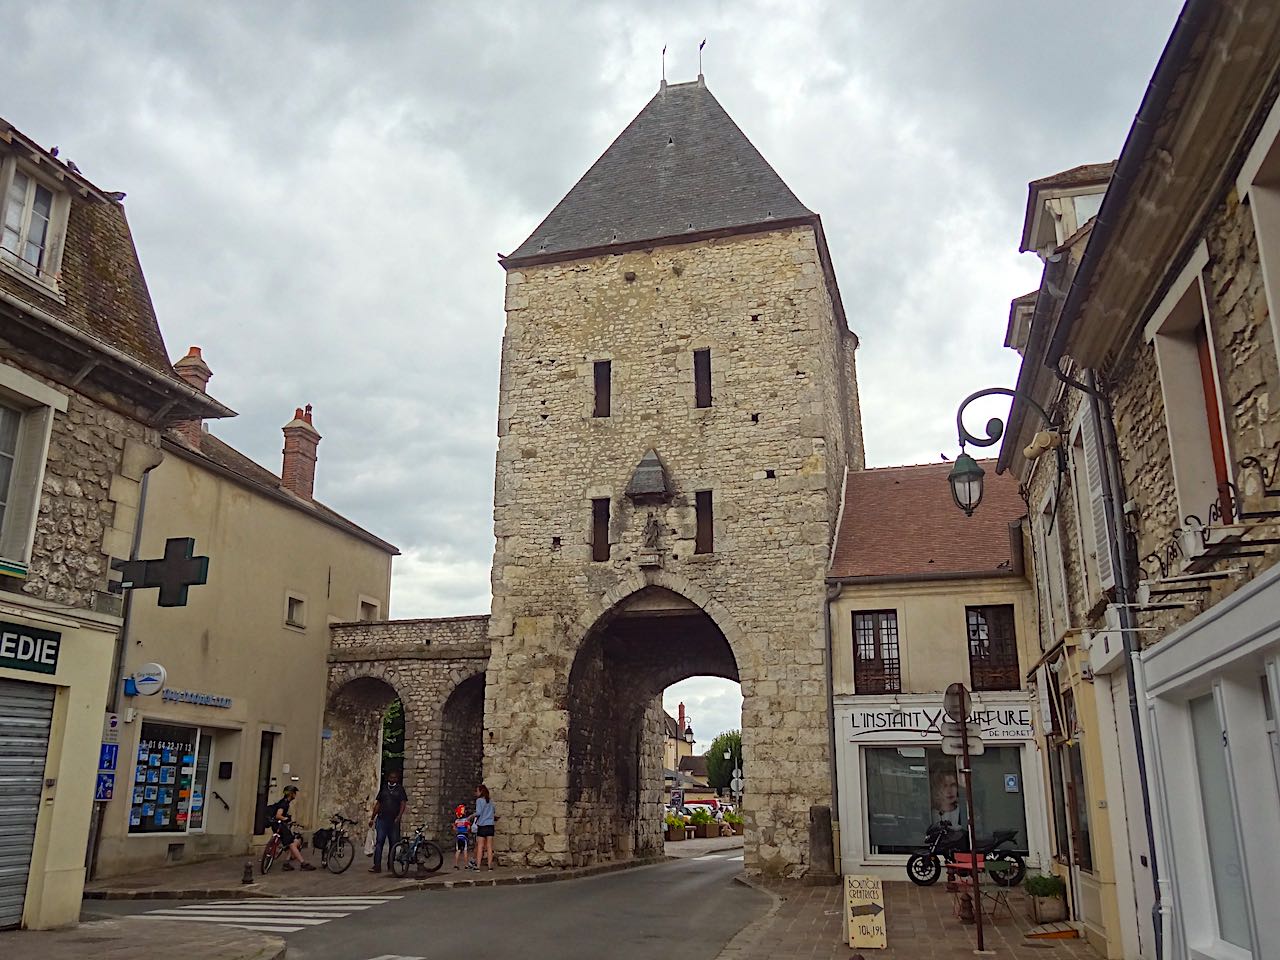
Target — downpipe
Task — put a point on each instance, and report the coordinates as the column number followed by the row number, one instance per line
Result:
column 833, row 593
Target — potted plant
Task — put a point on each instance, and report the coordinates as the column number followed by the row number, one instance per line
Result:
column 675, row 826
column 1048, row 894
column 734, row 821
column 704, row 823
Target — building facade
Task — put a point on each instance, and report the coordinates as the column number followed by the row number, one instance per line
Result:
column 677, row 410
column 85, row 390
column 240, row 714
column 922, row 598
column 1153, row 350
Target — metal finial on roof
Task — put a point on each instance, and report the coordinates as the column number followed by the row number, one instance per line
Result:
column 700, row 46
column 663, row 85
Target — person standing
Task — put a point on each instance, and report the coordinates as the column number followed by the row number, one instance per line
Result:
column 388, row 807
column 484, row 820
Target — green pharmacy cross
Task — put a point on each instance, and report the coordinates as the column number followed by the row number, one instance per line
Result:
column 173, row 573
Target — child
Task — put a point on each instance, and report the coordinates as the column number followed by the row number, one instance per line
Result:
column 461, row 836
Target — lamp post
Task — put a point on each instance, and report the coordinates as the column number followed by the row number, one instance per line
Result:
column 965, row 477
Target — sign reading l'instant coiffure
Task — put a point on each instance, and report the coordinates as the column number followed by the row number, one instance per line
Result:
column 913, row 722
column 27, row 648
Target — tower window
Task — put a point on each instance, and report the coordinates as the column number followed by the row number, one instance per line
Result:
column 702, row 377
column 604, row 386
column 600, row 529
column 705, row 542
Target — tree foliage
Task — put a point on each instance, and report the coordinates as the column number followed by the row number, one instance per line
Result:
column 720, row 770
column 393, row 737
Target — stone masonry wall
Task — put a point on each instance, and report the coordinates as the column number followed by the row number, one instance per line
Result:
column 771, row 450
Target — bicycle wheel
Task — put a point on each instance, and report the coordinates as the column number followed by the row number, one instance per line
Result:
column 341, row 853
column 269, row 854
column 400, row 857
column 430, row 857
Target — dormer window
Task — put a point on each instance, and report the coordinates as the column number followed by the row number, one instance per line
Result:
column 32, row 214
column 1087, row 206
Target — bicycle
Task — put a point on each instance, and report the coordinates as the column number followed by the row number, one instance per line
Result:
column 275, row 846
column 418, row 851
column 339, row 851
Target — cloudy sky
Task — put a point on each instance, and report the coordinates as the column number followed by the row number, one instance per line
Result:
column 319, row 190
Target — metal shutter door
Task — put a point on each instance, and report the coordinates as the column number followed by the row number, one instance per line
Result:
column 25, row 712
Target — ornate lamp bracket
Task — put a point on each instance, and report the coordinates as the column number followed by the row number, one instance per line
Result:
column 995, row 426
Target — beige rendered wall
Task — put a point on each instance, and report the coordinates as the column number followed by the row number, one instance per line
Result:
column 932, row 635
column 232, row 640
column 56, row 880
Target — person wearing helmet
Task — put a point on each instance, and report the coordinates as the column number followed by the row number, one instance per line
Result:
column 461, row 836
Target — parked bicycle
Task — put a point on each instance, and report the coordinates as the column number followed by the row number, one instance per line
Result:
column 418, row 852
column 337, row 852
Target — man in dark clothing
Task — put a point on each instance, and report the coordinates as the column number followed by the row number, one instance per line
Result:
column 388, row 808
column 278, row 817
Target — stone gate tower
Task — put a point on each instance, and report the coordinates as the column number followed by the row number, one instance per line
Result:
column 678, row 408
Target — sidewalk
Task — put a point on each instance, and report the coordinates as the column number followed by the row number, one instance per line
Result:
column 221, row 880
column 686, row 849
column 119, row 939
column 809, row 922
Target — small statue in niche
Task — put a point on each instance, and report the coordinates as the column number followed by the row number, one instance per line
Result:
column 651, row 530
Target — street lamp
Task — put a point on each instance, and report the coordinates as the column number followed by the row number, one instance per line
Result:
column 966, row 474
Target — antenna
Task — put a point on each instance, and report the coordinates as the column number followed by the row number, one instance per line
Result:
column 664, row 63
column 700, row 46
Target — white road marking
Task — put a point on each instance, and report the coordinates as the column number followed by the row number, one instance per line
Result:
column 285, row 915
column 738, row 859
column 396, row 956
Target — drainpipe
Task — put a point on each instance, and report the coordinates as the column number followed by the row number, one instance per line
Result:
column 1124, row 562
column 833, row 593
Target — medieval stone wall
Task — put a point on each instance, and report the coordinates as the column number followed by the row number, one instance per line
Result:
column 771, row 448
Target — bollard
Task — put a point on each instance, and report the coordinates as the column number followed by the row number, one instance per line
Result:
column 248, row 872
column 822, row 867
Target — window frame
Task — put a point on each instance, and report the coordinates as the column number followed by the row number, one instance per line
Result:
column 37, row 405
column 205, row 739
column 46, row 278
column 601, row 389
column 703, row 392
column 704, row 511
column 995, row 668
column 1258, row 185
column 601, row 542
column 1053, row 570
column 291, row 597
column 890, row 678
column 361, row 601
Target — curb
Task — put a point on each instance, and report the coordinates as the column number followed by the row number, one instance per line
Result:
column 246, row 891
column 748, row 936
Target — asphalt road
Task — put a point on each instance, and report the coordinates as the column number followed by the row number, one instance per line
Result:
column 685, row 908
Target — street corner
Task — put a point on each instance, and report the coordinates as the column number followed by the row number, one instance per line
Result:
column 139, row 938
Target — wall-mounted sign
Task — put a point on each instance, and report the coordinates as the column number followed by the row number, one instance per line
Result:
column 1008, row 723
column 194, row 696
column 27, row 648
column 111, row 728
column 106, row 787
column 149, row 679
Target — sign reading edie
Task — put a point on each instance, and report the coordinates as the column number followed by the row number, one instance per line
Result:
column 27, row 648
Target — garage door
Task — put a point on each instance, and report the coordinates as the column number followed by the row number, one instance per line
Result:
column 25, row 711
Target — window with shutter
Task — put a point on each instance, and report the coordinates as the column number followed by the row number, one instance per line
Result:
column 1096, row 510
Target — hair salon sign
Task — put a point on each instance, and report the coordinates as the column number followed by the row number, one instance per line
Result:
column 908, row 722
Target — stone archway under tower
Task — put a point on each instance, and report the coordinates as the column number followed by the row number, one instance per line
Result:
column 651, row 639
column 351, row 753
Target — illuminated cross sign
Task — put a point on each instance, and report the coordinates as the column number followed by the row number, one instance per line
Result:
column 173, row 574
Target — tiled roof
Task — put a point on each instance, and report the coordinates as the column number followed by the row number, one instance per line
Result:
column 694, row 766
column 681, row 167
column 254, row 474
column 669, row 724
column 901, row 521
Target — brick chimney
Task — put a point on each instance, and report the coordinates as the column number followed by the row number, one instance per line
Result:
column 300, row 441
column 195, row 372
column 680, row 720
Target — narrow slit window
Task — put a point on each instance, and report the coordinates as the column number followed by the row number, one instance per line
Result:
column 600, row 529
column 604, row 388
column 705, row 542
column 702, row 378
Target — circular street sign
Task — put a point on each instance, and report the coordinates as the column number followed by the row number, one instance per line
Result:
column 736, row 784
column 957, row 703
column 737, row 771
column 149, row 679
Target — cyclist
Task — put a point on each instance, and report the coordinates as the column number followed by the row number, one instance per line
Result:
column 278, row 814
column 462, row 838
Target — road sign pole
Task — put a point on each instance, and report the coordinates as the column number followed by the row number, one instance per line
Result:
column 973, row 837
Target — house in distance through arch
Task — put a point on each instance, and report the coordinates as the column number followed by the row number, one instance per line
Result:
column 678, row 408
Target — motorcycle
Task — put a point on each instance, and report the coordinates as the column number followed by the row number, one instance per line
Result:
column 943, row 842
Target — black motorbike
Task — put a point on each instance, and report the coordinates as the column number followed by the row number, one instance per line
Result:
column 943, row 842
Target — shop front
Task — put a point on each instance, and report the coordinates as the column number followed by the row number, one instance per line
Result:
column 895, row 780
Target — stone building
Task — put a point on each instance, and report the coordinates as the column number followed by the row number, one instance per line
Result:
column 246, row 658
column 1152, row 345
column 85, row 389
column 678, row 408
column 922, row 597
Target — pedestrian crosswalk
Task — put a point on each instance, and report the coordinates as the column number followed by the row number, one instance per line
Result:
column 272, row 915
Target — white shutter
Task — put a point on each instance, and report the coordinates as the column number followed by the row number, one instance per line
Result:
column 1096, row 506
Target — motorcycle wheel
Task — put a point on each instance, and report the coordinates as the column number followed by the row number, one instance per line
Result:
column 923, row 869
column 1010, row 877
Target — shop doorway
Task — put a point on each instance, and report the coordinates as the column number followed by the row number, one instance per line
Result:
column 266, row 780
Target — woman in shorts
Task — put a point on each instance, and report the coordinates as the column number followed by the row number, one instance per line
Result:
column 484, row 826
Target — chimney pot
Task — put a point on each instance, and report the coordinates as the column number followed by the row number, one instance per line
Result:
column 298, row 474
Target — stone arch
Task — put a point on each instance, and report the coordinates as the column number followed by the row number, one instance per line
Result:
column 648, row 632
column 461, row 746
column 351, row 754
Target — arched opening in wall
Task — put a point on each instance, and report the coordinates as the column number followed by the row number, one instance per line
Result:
column 651, row 640
column 354, row 750
column 702, row 747
column 462, row 741
column 393, row 737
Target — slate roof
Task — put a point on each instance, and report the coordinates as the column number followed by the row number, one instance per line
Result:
column 669, row 724
column 682, row 167
column 694, row 766
column 902, row 522
column 253, row 474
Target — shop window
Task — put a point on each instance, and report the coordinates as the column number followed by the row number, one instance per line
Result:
column 170, row 779
column 876, row 667
column 908, row 788
column 993, row 648
column 1221, row 831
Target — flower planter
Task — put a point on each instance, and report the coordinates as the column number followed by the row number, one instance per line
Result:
column 708, row 830
column 1048, row 909
column 737, row 829
column 675, row 833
